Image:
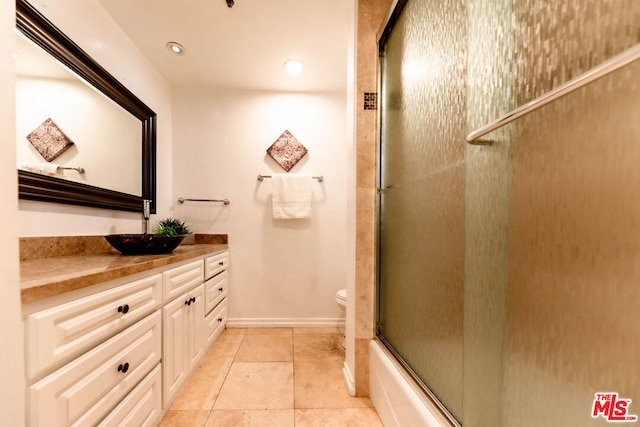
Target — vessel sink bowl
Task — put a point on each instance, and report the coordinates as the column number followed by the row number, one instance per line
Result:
column 140, row 244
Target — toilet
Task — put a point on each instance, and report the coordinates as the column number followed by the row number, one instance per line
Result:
column 341, row 299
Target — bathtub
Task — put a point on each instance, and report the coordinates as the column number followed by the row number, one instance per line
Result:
column 398, row 401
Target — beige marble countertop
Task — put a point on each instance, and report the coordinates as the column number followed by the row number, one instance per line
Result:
column 50, row 276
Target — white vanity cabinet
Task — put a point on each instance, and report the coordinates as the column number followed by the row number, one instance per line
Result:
column 84, row 391
column 118, row 353
column 57, row 334
column 193, row 320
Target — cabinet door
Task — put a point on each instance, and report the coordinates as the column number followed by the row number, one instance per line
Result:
column 56, row 335
column 142, row 407
column 216, row 289
column 215, row 264
column 184, row 337
column 82, row 392
column 180, row 279
column 174, row 367
column 195, row 329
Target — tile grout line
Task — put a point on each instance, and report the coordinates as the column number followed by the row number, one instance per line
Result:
column 293, row 369
column 226, row 375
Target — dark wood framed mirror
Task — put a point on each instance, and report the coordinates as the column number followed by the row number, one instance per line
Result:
column 35, row 186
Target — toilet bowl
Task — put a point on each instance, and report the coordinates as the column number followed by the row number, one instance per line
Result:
column 341, row 299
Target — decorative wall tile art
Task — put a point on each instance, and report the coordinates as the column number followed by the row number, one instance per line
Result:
column 287, row 150
column 49, row 140
column 370, row 100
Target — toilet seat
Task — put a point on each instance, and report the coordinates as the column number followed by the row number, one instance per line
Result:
column 341, row 297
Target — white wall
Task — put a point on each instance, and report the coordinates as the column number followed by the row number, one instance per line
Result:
column 11, row 342
column 284, row 272
column 97, row 34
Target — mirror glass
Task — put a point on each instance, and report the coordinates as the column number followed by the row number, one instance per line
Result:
column 82, row 137
column 106, row 138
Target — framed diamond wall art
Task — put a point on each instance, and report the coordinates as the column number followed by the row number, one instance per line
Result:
column 287, row 150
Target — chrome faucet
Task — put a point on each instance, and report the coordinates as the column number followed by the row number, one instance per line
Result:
column 146, row 212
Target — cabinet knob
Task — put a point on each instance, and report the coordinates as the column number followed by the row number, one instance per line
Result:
column 123, row 368
column 124, row 309
column 193, row 299
column 221, row 289
column 220, row 319
column 221, row 263
column 187, row 302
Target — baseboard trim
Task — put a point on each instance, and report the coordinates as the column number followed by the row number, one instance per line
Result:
column 348, row 379
column 284, row 322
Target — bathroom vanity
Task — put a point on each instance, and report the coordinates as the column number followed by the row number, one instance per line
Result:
column 112, row 339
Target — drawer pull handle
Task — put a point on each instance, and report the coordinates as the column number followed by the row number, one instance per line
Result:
column 124, row 309
column 123, row 368
column 221, row 289
column 221, row 263
column 220, row 319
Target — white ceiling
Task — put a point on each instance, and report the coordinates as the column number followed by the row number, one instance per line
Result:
column 244, row 46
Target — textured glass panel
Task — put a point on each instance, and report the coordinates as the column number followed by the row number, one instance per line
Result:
column 422, row 208
column 559, row 40
column 574, row 256
column 525, row 253
column 490, row 82
column 573, row 296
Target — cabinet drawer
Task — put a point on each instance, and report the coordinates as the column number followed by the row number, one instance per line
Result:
column 56, row 335
column 216, row 289
column 85, row 390
column 216, row 322
column 215, row 264
column 180, row 279
column 142, row 407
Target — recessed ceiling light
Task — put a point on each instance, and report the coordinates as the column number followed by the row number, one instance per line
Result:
column 175, row 48
column 293, row 67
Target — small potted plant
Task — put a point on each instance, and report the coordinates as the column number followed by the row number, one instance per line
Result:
column 172, row 226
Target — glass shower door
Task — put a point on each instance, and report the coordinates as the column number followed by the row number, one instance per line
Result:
column 421, row 205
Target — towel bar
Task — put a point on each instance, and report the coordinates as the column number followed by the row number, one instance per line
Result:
column 80, row 170
column 595, row 73
column 225, row 201
column 262, row 177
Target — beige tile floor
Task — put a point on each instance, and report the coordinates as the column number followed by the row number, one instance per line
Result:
column 282, row 377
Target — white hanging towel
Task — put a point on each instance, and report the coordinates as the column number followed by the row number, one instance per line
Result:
column 43, row 168
column 291, row 195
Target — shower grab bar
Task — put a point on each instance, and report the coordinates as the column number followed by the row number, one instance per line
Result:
column 79, row 169
column 607, row 67
column 262, row 177
column 225, row 201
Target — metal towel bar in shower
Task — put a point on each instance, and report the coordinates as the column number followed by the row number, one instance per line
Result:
column 319, row 178
column 595, row 73
column 225, row 201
